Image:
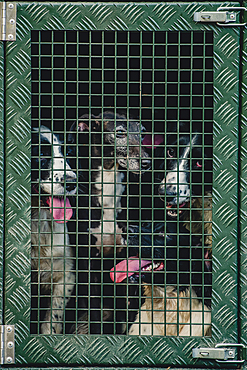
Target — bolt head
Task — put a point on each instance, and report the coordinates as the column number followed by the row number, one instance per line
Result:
column 9, row 360
column 11, row 6
column 10, row 36
column 10, row 345
column 9, row 329
column 12, row 21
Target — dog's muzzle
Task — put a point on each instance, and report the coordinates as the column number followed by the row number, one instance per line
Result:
column 175, row 203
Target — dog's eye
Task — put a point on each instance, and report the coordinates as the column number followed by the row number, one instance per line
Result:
column 170, row 153
column 199, row 164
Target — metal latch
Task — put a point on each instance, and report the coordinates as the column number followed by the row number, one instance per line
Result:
column 7, row 333
column 224, row 16
column 223, row 353
column 7, row 21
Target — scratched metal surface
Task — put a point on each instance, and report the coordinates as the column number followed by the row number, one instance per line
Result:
column 118, row 350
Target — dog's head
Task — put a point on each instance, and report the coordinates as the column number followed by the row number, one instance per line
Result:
column 167, row 255
column 114, row 138
column 51, row 174
column 162, row 246
column 188, row 168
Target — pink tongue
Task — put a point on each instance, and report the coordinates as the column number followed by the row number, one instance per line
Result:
column 157, row 140
column 57, row 209
column 127, row 268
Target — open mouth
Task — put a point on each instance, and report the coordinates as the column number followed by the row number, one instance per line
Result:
column 173, row 210
column 133, row 266
column 59, row 205
column 60, row 208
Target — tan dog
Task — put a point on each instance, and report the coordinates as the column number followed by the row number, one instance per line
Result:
column 171, row 315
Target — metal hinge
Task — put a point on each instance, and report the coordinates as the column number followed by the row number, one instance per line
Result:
column 224, row 16
column 7, row 21
column 223, row 353
column 7, row 333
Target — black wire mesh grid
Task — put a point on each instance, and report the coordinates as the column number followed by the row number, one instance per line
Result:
column 132, row 113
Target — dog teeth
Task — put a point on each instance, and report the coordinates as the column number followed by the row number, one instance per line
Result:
column 151, row 267
column 172, row 213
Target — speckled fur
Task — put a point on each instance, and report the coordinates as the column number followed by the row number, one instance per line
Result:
column 51, row 254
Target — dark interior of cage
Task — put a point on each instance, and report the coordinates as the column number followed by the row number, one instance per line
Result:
column 122, row 171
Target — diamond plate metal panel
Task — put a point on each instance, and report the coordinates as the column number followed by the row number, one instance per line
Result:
column 243, row 194
column 116, row 350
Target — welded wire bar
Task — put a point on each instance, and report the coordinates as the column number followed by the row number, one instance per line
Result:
column 123, row 71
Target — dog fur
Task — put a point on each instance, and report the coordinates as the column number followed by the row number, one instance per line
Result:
column 187, row 166
column 178, row 301
column 119, row 151
column 167, row 312
column 51, row 254
column 113, row 152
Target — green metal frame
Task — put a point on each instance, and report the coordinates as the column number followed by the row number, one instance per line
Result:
column 243, row 192
column 1, row 173
column 118, row 350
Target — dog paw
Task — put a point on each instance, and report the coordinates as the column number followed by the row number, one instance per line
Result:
column 46, row 328
column 55, row 329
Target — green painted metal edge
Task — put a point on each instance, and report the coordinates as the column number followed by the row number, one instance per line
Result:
column 118, row 350
column 243, row 191
column 1, row 175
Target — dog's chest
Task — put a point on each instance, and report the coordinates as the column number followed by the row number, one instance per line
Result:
column 49, row 238
column 110, row 188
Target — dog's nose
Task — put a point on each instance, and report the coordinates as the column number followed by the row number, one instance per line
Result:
column 69, row 183
column 146, row 163
column 70, row 186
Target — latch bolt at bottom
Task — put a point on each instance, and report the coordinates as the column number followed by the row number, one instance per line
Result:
column 222, row 352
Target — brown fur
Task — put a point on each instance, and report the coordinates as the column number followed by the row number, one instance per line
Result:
column 158, row 316
column 194, row 222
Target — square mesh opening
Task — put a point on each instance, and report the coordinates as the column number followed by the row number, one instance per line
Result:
column 121, row 182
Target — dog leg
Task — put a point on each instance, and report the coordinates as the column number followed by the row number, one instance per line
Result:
column 62, row 287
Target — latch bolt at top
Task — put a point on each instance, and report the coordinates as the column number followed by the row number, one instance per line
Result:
column 224, row 16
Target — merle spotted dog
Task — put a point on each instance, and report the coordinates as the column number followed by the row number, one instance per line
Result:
column 53, row 181
column 114, row 149
column 112, row 144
